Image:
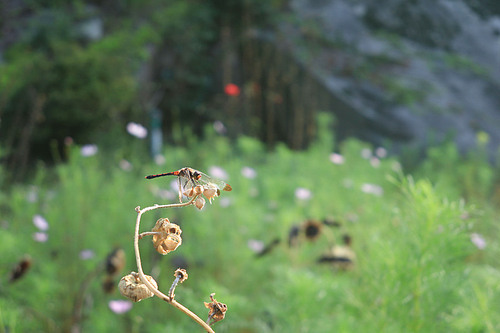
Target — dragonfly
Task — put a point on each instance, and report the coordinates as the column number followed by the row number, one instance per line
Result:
column 188, row 178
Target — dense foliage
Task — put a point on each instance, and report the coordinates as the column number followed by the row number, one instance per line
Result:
column 83, row 69
column 427, row 260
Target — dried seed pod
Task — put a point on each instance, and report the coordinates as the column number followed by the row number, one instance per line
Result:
column 217, row 310
column 211, row 191
column 168, row 236
column 182, row 273
column 199, row 203
column 132, row 287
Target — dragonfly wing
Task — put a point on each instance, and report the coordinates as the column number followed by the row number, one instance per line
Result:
column 222, row 185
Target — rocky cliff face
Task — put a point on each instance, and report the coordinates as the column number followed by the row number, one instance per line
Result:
column 413, row 72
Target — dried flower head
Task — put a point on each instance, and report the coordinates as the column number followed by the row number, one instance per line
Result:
column 168, row 236
column 211, row 191
column 217, row 310
column 192, row 191
column 182, row 274
column 312, row 229
column 199, row 203
column 133, row 288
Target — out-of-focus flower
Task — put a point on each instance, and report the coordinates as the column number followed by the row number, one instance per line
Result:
column 337, row 158
column 160, row 159
column 88, row 150
column 40, row 237
column 40, row 222
column 218, row 172
column 478, row 241
column 366, row 153
column 381, row 152
column 87, row 254
column 372, row 189
column 120, row 306
column 375, row 162
column 219, row 127
column 231, row 89
column 32, row 195
column 125, row 165
column 255, row 245
column 248, row 172
column 303, row 193
column 137, row 130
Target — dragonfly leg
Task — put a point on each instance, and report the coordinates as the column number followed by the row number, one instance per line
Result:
column 180, row 189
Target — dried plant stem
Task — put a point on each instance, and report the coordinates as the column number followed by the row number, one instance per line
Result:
column 143, row 278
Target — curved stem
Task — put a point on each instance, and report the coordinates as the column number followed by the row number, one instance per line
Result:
column 141, row 272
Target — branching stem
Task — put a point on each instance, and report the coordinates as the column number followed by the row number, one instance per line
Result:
column 154, row 290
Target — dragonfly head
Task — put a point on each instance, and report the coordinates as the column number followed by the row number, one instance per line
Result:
column 196, row 175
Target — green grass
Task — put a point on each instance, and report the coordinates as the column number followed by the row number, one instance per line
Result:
column 416, row 270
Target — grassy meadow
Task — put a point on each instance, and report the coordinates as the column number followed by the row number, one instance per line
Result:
column 426, row 243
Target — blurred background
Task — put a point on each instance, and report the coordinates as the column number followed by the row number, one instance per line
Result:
column 361, row 141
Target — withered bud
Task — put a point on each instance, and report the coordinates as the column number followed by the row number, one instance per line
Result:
column 217, row 310
column 183, row 275
column 115, row 261
column 211, row 191
column 21, row 268
column 199, row 203
column 132, row 287
column 168, row 236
